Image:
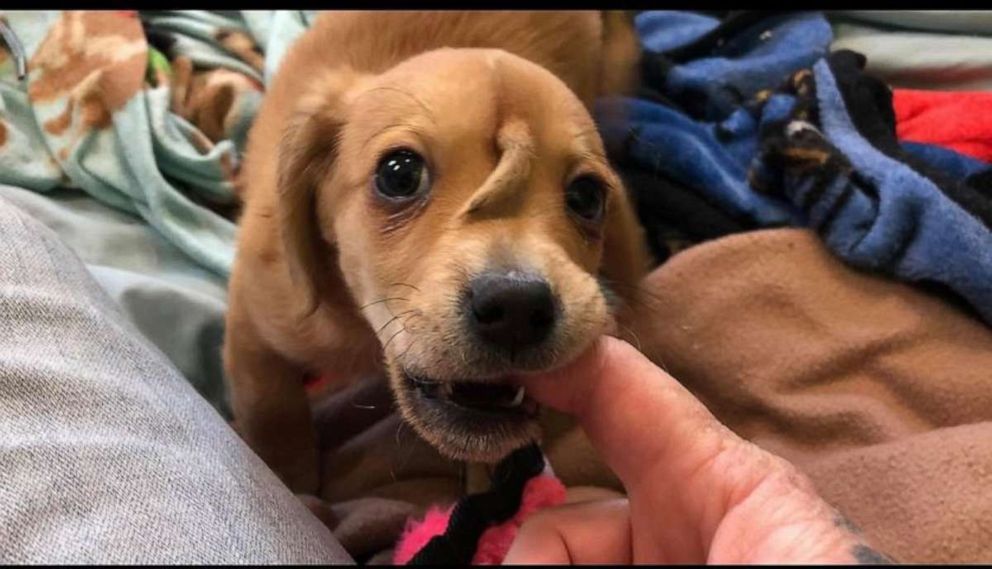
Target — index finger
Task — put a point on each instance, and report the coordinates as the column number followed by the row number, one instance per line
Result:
column 638, row 416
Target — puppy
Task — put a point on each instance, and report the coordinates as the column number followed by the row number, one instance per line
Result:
column 426, row 197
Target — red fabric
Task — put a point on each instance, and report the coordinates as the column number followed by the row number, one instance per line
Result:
column 958, row 120
column 540, row 492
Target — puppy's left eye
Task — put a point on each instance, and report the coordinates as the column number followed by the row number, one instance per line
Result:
column 585, row 197
column 401, row 174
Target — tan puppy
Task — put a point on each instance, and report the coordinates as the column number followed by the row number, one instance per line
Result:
column 427, row 197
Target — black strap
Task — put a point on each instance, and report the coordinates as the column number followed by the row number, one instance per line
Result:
column 475, row 513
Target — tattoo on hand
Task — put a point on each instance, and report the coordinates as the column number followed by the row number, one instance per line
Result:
column 842, row 522
column 863, row 554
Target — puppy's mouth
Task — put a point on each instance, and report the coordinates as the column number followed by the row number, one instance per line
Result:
column 479, row 420
column 492, row 397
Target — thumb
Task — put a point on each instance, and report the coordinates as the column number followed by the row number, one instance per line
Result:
column 638, row 416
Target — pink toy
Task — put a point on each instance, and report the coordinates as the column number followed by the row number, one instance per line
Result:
column 540, row 492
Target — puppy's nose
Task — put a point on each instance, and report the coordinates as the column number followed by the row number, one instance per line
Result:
column 511, row 310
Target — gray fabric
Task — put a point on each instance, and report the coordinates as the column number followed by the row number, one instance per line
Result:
column 107, row 454
column 173, row 301
column 954, row 21
column 920, row 60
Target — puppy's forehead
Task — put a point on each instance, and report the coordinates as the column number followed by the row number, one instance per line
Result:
column 476, row 92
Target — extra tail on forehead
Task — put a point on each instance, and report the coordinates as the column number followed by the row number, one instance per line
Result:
column 497, row 193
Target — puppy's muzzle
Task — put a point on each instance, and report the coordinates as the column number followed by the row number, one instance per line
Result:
column 510, row 311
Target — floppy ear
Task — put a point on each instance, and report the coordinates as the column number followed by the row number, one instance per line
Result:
column 625, row 255
column 621, row 54
column 307, row 152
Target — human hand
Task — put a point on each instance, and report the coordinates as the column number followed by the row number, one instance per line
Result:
column 696, row 492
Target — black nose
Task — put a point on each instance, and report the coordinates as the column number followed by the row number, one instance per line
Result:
column 511, row 310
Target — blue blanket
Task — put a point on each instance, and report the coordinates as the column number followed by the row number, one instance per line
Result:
column 747, row 114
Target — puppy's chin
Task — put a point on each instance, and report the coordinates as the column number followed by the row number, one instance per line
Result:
column 466, row 420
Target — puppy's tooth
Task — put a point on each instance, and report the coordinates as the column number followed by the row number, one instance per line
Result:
column 447, row 388
column 519, row 397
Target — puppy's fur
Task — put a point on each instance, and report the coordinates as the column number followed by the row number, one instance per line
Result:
column 331, row 279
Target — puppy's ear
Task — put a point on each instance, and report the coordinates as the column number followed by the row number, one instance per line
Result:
column 625, row 255
column 621, row 54
column 307, row 153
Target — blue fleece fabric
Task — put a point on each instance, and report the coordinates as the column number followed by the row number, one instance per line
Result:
column 710, row 158
column 887, row 217
column 758, row 58
column 662, row 30
column 951, row 163
column 713, row 156
column 883, row 216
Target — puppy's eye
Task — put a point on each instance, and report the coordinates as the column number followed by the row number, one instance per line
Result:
column 401, row 174
column 585, row 197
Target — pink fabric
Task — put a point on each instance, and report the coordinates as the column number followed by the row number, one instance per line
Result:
column 417, row 534
column 540, row 492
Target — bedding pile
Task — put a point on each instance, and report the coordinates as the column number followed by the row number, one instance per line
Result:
column 816, row 189
column 125, row 137
column 764, row 128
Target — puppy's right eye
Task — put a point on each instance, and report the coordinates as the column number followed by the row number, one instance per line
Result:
column 401, row 174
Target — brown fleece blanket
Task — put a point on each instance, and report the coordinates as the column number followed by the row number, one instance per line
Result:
column 881, row 393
